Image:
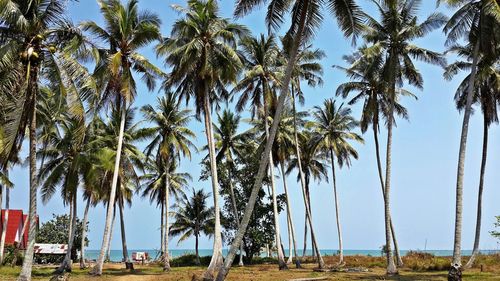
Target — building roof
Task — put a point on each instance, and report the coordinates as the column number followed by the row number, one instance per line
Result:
column 15, row 221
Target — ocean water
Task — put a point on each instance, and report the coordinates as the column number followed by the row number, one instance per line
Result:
column 116, row 255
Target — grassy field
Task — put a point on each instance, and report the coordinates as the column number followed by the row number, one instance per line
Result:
column 269, row 272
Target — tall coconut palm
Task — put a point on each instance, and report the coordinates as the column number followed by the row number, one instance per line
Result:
column 261, row 56
column 34, row 42
column 307, row 68
column 171, row 139
column 333, row 131
column 473, row 21
column 369, row 88
column 306, row 17
column 65, row 159
column 229, row 144
column 201, row 51
column 486, row 95
column 392, row 37
column 192, row 218
column 125, row 32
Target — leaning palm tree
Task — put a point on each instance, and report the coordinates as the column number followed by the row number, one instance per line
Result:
column 126, row 31
column 192, row 218
column 333, row 131
column 392, row 37
column 229, row 143
column 172, row 138
column 257, row 84
column 474, row 22
column 487, row 96
column 305, row 19
column 201, row 51
column 368, row 87
column 34, row 40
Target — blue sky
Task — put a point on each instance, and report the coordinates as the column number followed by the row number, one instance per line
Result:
column 425, row 152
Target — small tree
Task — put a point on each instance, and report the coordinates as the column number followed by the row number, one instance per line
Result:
column 55, row 231
column 495, row 233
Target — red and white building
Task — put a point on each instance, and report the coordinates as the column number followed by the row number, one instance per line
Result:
column 15, row 224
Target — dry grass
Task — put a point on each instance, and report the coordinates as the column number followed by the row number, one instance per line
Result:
column 416, row 268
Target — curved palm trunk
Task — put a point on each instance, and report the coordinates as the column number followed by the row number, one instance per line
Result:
column 166, row 257
column 4, row 226
column 216, row 260
column 306, row 220
column 108, row 252
column 25, row 274
column 122, row 228
column 265, row 154
column 97, row 270
column 281, row 256
column 475, row 249
column 235, row 210
column 381, row 178
column 337, row 207
column 84, row 233
column 293, row 242
column 456, row 263
column 66, row 263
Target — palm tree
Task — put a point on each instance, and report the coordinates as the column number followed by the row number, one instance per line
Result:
column 229, row 144
column 34, row 41
column 473, row 21
column 171, row 139
column 115, row 71
column 307, row 68
column 370, row 89
column 487, row 80
column 392, row 38
column 261, row 56
column 192, row 218
column 334, row 126
column 65, row 159
column 201, row 51
column 5, row 185
column 306, row 17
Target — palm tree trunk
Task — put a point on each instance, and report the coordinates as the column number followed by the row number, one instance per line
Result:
column 306, row 221
column 290, row 220
column 122, row 228
column 166, row 260
column 18, row 246
column 216, row 260
column 25, row 274
column 6, row 219
column 97, row 270
column 162, row 232
column 281, row 256
column 84, row 233
column 381, row 178
column 290, row 241
column 337, row 207
column 66, row 263
column 108, row 252
column 457, row 263
column 265, row 154
column 475, row 249
column 197, row 250
column 235, row 210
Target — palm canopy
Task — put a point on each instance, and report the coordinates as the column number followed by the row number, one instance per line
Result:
column 228, row 142
column 333, row 131
column 126, row 30
column 487, row 82
column 476, row 21
column 348, row 14
column 36, row 42
column 263, row 72
column 192, row 216
column 368, row 86
column 172, row 137
column 202, row 52
column 392, row 37
column 153, row 180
